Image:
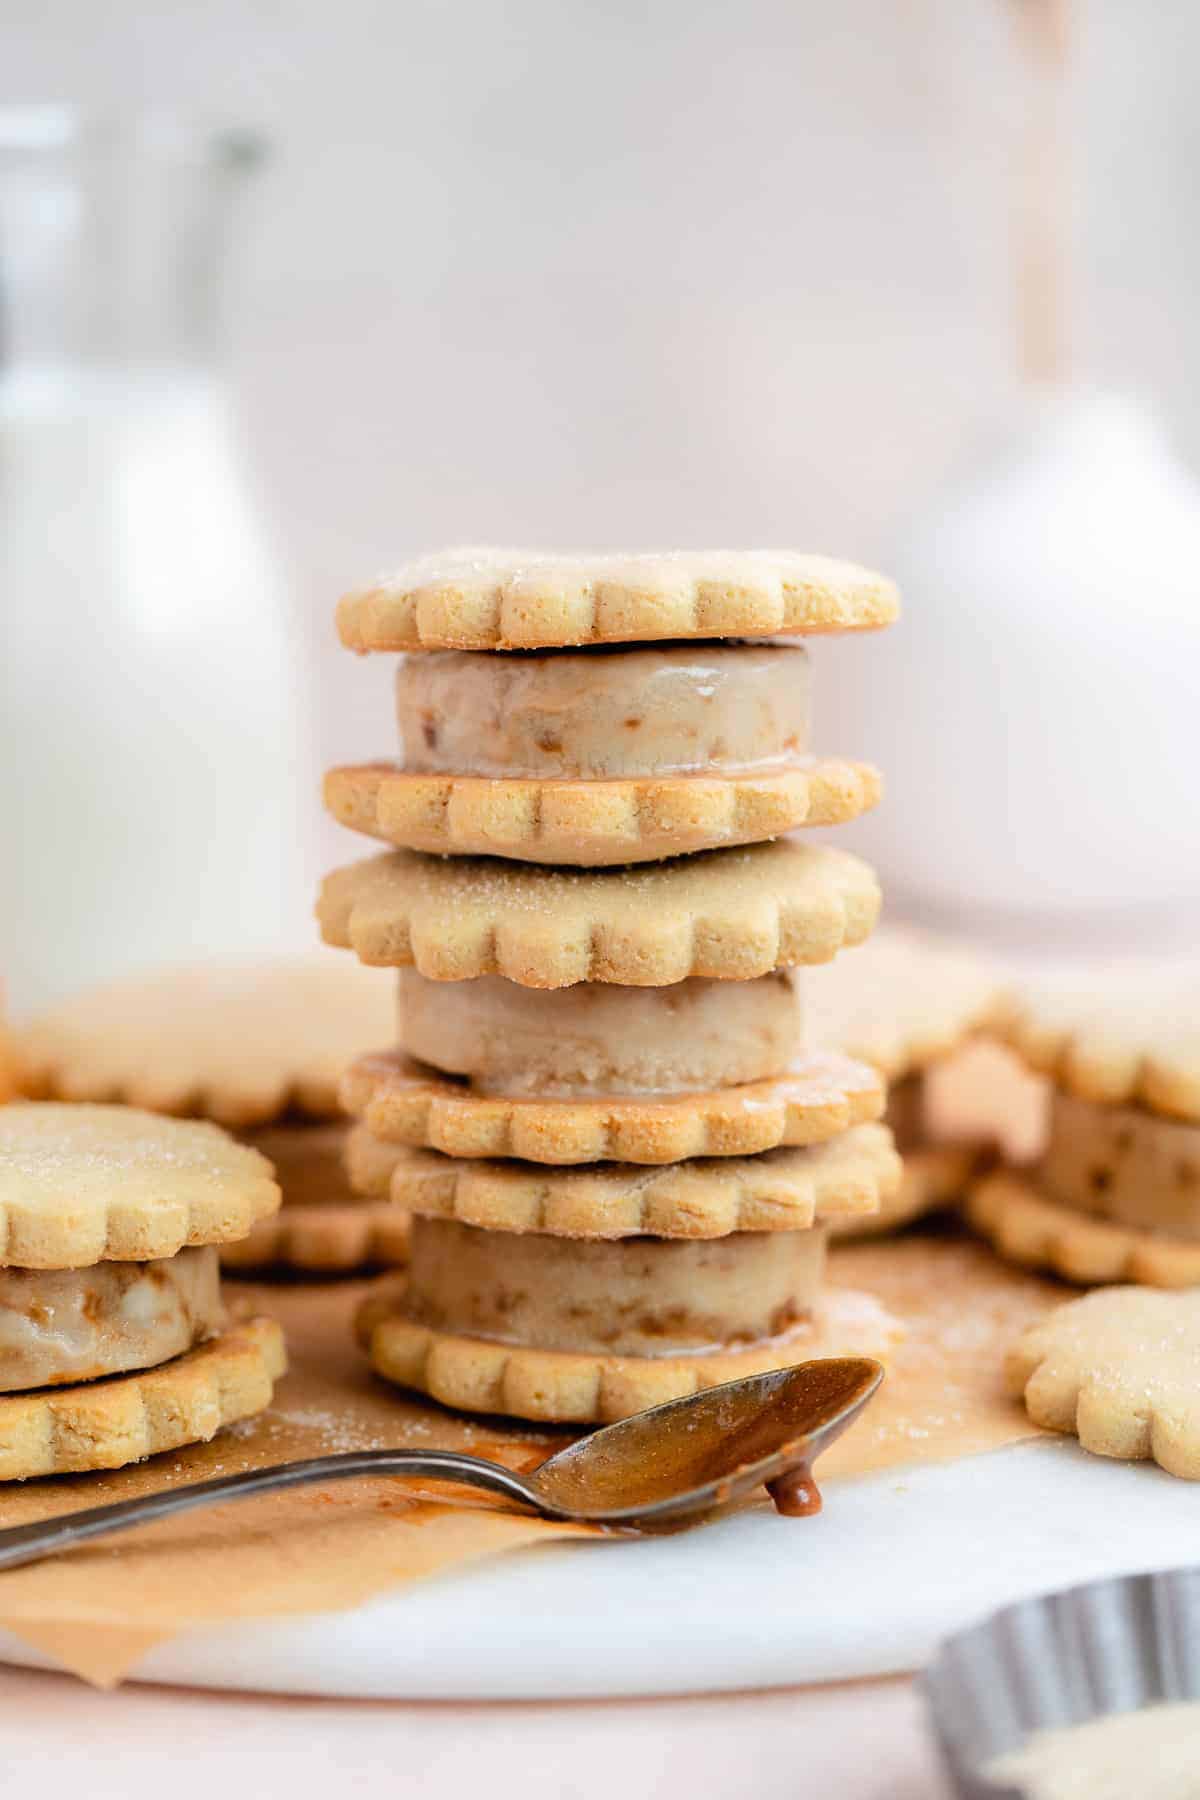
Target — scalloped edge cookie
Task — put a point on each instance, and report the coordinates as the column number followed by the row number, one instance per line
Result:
column 239, row 1040
column 935, row 1176
column 107, row 1424
column 576, row 1387
column 324, row 1240
column 781, row 1190
column 593, row 824
column 404, row 1102
column 1118, row 1036
column 727, row 914
column 479, row 598
column 1118, row 1370
column 1027, row 1228
column 166, row 1195
column 906, row 1000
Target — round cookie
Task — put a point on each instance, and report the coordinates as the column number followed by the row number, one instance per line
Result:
column 727, row 914
column 108, row 1424
column 487, row 599
column 597, row 1039
column 1028, row 1228
column 593, row 824
column 241, row 1042
column 1119, row 1035
column 594, row 1388
column 85, row 1184
column 1118, row 1369
column 69, row 1325
column 779, row 1190
column 404, row 1102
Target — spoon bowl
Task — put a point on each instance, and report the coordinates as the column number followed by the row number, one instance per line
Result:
column 689, row 1456
column 673, row 1462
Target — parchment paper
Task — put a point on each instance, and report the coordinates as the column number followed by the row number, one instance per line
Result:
column 97, row 1610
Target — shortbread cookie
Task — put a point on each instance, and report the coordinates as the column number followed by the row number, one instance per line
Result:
column 933, row 1177
column 482, row 599
column 605, row 714
column 407, row 1103
column 59, row 1325
column 589, row 1387
column 85, row 1184
column 594, row 824
column 640, row 1296
column 596, row 1039
column 1118, row 1037
column 340, row 1239
column 1120, row 1370
column 780, row 1190
column 903, row 1001
column 107, row 1424
column 1028, row 1228
column 241, row 1041
column 1125, row 1164
column 729, row 914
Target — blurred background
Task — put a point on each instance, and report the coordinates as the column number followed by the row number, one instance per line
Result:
column 559, row 273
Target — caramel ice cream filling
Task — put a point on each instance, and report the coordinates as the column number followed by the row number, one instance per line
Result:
column 66, row 1325
column 604, row 713
column 595, row 1039
column 1123, row 1164
column 627, row 1297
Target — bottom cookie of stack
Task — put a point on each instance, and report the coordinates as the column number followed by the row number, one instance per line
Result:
column 582, row 1295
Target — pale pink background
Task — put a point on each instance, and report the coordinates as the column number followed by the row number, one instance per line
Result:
column 862, row 1741
column 550, row 271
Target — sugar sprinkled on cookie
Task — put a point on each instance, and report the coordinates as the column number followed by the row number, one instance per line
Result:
column 1120, row 1369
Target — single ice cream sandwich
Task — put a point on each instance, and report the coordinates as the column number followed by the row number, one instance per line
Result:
column 1115, row 1195
column 568, row 1331
column 113, row 1339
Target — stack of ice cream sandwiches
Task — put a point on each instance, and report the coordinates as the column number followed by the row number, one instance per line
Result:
column 619, row 1157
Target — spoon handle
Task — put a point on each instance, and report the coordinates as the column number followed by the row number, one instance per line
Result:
column 29, row 1543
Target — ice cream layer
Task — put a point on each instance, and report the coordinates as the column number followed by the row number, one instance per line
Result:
column 1120, row 1163
column 605, row 713
column 66, row 1325
column 597, row 1039
column 626, row 1297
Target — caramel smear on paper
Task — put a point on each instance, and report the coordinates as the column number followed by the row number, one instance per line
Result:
column 99, row 1609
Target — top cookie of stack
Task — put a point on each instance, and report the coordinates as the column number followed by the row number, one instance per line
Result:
column 558, row 715
column 577, row 746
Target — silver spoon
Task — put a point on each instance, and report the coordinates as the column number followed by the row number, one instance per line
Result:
column 671, row 1463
